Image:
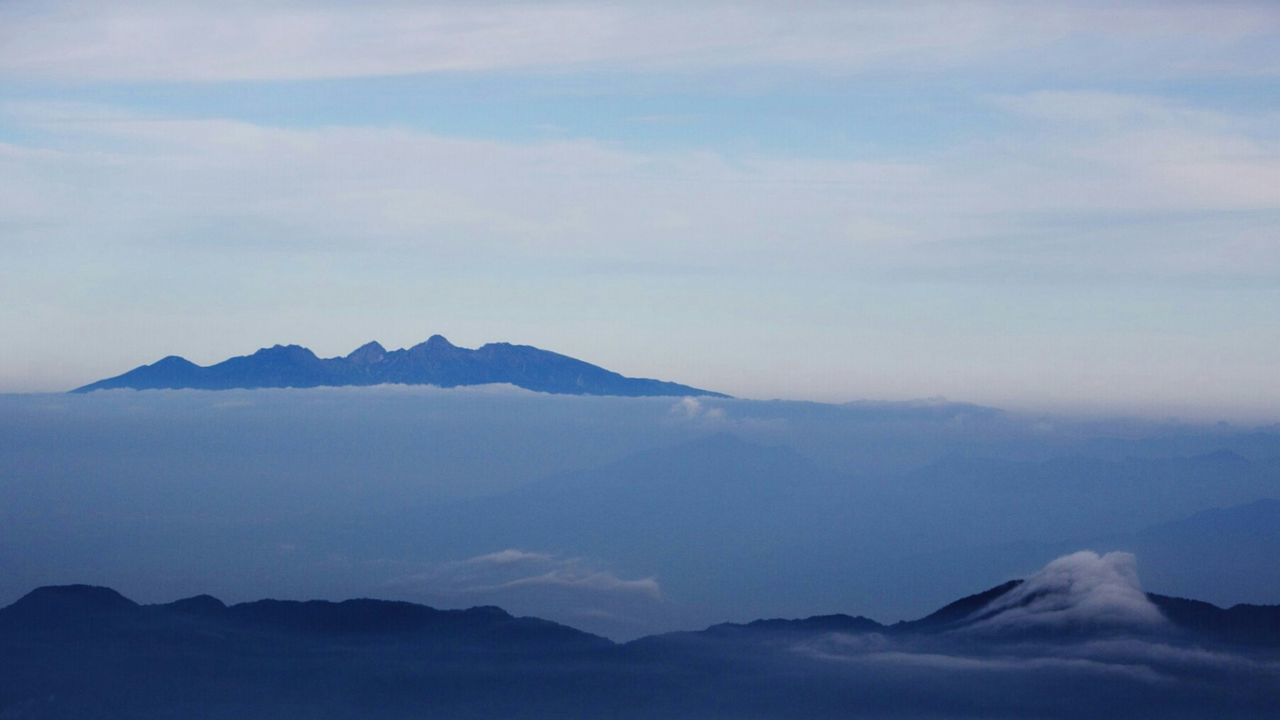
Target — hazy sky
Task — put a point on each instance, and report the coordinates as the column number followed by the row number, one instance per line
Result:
column 1039, row 205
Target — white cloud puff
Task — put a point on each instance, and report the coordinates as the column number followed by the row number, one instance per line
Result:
column 1081, row 589
column 692, row 408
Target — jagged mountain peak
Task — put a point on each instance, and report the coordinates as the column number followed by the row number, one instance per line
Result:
column 435, row 361
column 370, row 352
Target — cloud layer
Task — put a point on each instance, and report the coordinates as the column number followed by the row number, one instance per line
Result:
column 280, row 40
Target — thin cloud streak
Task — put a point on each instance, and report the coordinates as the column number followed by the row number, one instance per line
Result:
column 513, row 569
column 362, row 187
column 203, row 42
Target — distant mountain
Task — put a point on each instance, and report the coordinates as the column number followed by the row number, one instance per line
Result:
column 71, row 610
column 434, row 362
column 76, row 609
column 81, row 651
column 958, row 613
column 1241, row 624
column 750, row 515
column 1224, row 555
column 1202, row 622
column 999, row 500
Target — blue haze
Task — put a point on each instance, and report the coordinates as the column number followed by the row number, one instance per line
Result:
column 621, row 516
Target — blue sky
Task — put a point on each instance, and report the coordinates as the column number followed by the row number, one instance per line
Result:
column 1051, row 206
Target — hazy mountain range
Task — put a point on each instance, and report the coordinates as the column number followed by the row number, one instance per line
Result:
column 433, row 362
column 1081, row 623
column 621, row 516
column 757, row 517
column 628, row 518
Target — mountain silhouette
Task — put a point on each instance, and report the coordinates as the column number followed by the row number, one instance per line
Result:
column 67, row 609
column 83, row 651
column 433, row 362
column 1239, row 624
column 956, row 614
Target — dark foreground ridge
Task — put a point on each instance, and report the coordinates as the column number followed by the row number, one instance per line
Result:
column 80, row 651
column 434, row 362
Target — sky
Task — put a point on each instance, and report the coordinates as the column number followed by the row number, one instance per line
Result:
column 1057, row 206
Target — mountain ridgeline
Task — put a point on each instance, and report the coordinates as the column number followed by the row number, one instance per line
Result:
column 434, row 362
column 82, row 651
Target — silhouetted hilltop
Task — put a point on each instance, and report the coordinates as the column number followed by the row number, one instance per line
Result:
column 81, row 651
column 1238, row 624
column 957, row 613
column 434, row 362
column 66, row 610
column 66, row 606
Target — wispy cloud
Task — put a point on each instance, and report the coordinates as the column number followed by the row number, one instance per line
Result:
column 575, row 578
column 513, row 569
column 692, row 408
column 510, row 556
column 143, row 40
column 110, row 176
column 953, row 662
